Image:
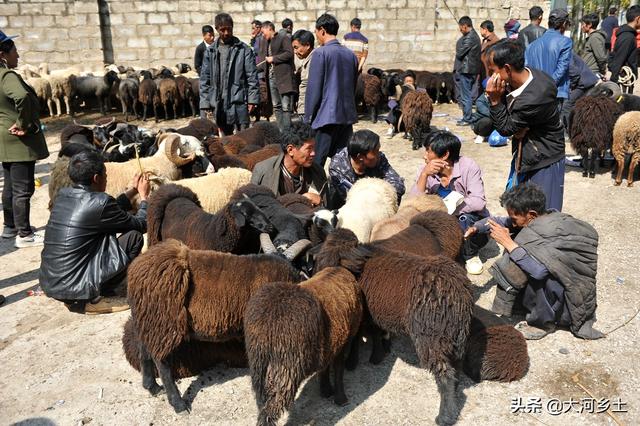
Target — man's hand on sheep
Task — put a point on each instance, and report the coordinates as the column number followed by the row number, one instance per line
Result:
column 314, row 198
column 502, row 236
column 495, row 89
column 143, row 185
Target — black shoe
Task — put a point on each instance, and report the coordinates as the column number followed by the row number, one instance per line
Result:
column 2, row 299
column 462, row 123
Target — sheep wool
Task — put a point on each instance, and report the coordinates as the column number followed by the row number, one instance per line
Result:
column 409, row 207
column 626, row 141
column 214, row 190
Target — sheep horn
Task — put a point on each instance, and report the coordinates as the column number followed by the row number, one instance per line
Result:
column 107, row 145
column 86, row 126
column 266, row 244
column 171, row 149
column 296, row 248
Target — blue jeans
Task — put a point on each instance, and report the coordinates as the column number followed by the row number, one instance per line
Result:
column 464, row 83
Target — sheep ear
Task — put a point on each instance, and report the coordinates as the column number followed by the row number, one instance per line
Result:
column 239, row 214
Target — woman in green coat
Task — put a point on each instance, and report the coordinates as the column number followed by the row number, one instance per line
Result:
column 21, row 145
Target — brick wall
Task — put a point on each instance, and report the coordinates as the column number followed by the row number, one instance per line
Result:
column 418, row 34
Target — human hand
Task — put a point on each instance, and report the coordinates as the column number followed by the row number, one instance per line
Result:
column 502, row 236
column 495, row 89
column 434, row 167
column 144, row 187
column 314, row 198
column 16, row 131
column 269, row 59
column 251, row 107
column 472, row 230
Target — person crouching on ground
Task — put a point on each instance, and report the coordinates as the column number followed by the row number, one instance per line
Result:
column 293, row 171
column 361, row 158
column 552, row 259
column 446, row 171
column 82, row 258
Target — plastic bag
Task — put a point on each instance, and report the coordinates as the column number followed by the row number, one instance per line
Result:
column 496, row 139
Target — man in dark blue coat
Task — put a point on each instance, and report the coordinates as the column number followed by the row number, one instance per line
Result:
column 330, row 105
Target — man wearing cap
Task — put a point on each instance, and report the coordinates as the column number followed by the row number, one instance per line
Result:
column 551, row 53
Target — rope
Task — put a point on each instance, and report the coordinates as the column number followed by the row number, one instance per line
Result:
column 626, row 77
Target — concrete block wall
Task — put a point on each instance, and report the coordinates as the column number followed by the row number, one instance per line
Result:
column 417, row 34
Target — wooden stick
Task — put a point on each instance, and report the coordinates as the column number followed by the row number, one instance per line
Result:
column 576, row 380
column 261, row 63
column 139, row 162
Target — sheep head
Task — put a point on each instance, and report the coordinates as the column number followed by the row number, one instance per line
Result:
column 172, row 147
column 246, row 212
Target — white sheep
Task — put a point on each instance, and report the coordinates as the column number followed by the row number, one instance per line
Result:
column 409, row 207
column 214, row 190
column 62, row 86
column 43, row 90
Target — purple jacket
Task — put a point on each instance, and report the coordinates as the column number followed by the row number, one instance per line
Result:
column 467, row 180
column 330, row 97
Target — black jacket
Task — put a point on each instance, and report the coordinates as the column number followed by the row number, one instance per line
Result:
column 199, row 56
column 81, row 251
column 468, row 54
column 529, row 34
column 534, row 113
column 624, row 52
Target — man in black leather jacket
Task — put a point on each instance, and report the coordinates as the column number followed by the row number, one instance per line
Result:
column 82, row 258
column 467, row 66
column 531, row 32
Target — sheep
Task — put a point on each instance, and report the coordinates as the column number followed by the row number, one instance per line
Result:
column 292, row 331
column 128, row 91
column 447, row 87
column 416, row 111
column 215, row 190
column 169, row 95
column 98, row 87
column 495, row 349
column 190, row 358
column 148, row 95
column 369, row 93
column 42, row 88
column 428, row 300
column 264, row 108
column 63, row 84
column 185, row 93
column 626, row 141
column 199, row 128
column 177, row 294
column 409, row 207
column 629, row 102
column 259, row 134
column 369, row 201
column 220, row 158
column 591, row 128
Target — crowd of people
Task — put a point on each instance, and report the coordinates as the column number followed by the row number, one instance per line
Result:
column 521, row 86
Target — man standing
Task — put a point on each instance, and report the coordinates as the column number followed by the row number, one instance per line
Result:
column 207, row 41
column 625, row 50
column 287, row 27
column 467, row 66
column 278, row 54
column 228, row 79
column 330, row 105
column 256, row 37
column 551, row 53
column 357, row 42
column 529, row 113
column 609, row 24
column 533, row 31
column 489, row 38
column 302, row 43
column 594, row 53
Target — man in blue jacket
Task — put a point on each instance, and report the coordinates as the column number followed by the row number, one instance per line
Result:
column 551, row 53
column 330, row 105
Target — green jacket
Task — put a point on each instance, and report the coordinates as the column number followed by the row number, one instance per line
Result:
column 19, row 105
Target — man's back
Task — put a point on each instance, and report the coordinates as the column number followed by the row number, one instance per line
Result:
column 624, row 52
column 551, row 53
column 530, row 33
column 608, row 25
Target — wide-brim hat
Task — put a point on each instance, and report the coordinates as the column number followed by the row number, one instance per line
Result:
column 4, row 37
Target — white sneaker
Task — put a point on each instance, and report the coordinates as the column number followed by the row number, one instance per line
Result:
column 9, row 232
column 474, row 266
column 389, row 133
column 479, row 139
column 33, row 240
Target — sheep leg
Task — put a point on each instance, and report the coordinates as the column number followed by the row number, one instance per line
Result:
column 593, row 167
column 377, row 351
column 373, row 113
column 354, row 352
column 585, row 162
column 58, row 106
column 339, row 397
column 67, row 103
column 166, row 112
column 50, row 107
column 620, row 163
column 173, row 394
column 634, row 162
column 135, row 109
column 148, row 376
column 174, row 111
column 326, row 390
column 446, row 381
column 125, row 110
column 144, row 112
column 155, row 112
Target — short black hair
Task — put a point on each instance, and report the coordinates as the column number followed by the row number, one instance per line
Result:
column 356, row 22
column 535, row 13
column 507, row 52
column 7, row 45
column 487, row 25
column 268, row 24
column 523, row 198
column 362, row 142
column 443, row 141
column 304, row 37
column 84, row 165
column 632, row 13
column 223, row 20
column 408, row 73
column 297, row 134
column 286, row 23
column 556, row 22
column 329, row 23
column 256, row 23
column 465, row 20
column 591, row 18
column 613, row 10
column 207, row 29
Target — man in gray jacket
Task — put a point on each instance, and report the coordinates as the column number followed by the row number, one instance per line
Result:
column 594, row 52
column 228, row 79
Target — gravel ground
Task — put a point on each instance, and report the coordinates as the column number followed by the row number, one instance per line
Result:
column 68, row 369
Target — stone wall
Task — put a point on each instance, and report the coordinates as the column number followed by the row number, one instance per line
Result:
column 418, row 34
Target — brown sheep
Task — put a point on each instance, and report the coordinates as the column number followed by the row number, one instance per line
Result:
column 220, row 157
column 409, row 207
column 179, row 295
column 369, row 92
column 293, row 331
column 169, row 95
column 429, row 301
column 186, row 95
column 199, row 128
column 495, row 349
column 148, row 95
column 264, row 108
column 416, row 109
column 626, row 141
column 591, row 129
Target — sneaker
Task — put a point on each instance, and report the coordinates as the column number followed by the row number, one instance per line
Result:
column 462, row 123
column 106, row 305
column 33, row 240
column 531, row 332
column 389, row 133
column 474, row 266
column 479, row 139
column 9, row 232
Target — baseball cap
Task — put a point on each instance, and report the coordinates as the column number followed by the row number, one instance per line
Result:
column 558, row 15
column 4, row 37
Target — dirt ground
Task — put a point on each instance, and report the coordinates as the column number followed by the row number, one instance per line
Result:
column 68, row 369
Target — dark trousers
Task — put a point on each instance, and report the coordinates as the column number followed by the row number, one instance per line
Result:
column 464, row 84
column 551, row 180
column 241, row 122
column 472, row 245
column 19, row 186
column 483, row 127
column 331, row 139
column 569, row 104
